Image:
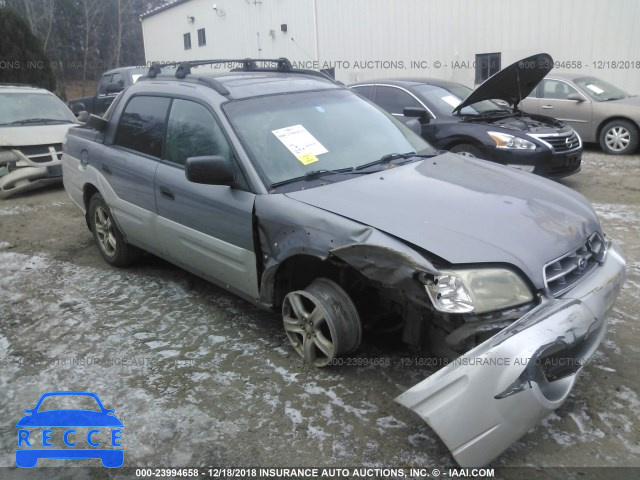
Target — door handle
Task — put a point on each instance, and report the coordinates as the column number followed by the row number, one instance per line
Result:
column 166, row 193
column 547, row 107
column 106, row 170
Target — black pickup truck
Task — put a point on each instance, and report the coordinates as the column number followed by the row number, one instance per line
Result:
column 111, row 83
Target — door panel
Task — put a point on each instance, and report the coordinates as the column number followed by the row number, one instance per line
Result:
column 129, row 167
column 554, row 103
column 207, row 229
column 530, row 105
column 131, row 180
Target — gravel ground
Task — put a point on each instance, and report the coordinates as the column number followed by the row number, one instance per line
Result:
column 200, row 377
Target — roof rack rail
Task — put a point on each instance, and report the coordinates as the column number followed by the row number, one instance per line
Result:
column 247, row 65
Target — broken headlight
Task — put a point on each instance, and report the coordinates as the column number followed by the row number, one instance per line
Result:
column 504, row 140
column 476, row 290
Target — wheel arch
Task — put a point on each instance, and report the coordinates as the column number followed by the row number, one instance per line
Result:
column 88, row 191
column 298, row 271
column 613, row 118
column 462, row 140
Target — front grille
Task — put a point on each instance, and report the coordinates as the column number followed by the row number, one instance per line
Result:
column 561, row 143
column 569, row 164
column 42, row 153
column 561, row 274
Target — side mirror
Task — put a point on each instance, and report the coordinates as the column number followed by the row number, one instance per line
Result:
column 415, row 126
column 210, row 170
column 415, row 112
column 114, row 88
column 97, row 123
column 83, row 116
column 575, row 96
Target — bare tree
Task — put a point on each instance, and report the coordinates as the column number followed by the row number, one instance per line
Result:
column 39, row 14
column 91, row 10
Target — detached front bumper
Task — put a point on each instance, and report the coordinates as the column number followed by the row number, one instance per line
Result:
column 487, row 399
column 29, row 167
column 24, row 179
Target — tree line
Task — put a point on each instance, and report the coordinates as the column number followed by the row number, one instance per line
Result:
column 69, row 40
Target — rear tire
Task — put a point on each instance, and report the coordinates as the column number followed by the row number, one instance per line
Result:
column 321, row 322
column 111, row 243
column 466, row 150
column 619, row 137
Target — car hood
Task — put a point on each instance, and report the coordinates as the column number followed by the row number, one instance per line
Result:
column 20, row 136
column 69, row 418
column 528, row 122
column 512, row 83
column 466, row 211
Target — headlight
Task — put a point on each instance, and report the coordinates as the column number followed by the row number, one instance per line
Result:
column 477, row 290
column 507, row 141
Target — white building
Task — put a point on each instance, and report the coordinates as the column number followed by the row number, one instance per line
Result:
column 460, row 40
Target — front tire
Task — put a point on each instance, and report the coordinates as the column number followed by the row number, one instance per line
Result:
column 321, row 322
column 619, row 137
column 111, row 243
column 466, row 150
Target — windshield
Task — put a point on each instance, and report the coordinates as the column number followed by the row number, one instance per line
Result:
column 445, row 99
column 600, row 90
column 22, row 108
column 290, row 135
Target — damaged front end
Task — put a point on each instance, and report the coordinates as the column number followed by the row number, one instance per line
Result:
column 30, row 167
column 488, row 398
column 519, row 335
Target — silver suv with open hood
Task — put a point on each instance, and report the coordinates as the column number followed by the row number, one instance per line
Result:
column 290, row 190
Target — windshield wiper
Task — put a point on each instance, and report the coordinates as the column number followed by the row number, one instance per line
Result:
column 316, row 174
column 394, row 156
column 36, row 120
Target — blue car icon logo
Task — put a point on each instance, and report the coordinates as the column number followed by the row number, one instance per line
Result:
column 98, row 423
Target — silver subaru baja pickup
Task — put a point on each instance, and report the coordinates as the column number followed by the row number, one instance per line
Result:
column 292, row 191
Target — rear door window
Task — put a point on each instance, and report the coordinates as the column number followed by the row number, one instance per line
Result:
column 104, row 81
column 365, row 90
column 118, row 78
column 394, row 100
column 142, row 124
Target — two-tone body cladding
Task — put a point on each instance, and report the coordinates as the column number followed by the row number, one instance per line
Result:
column 295, row 193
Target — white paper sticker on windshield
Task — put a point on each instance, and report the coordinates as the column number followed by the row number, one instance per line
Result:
column 595, row 89
column 301, row 143
column 451, row 100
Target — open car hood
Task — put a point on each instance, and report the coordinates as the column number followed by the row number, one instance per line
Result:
column 512, row 83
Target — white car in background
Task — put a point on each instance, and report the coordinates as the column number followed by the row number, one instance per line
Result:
column 33, row 125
